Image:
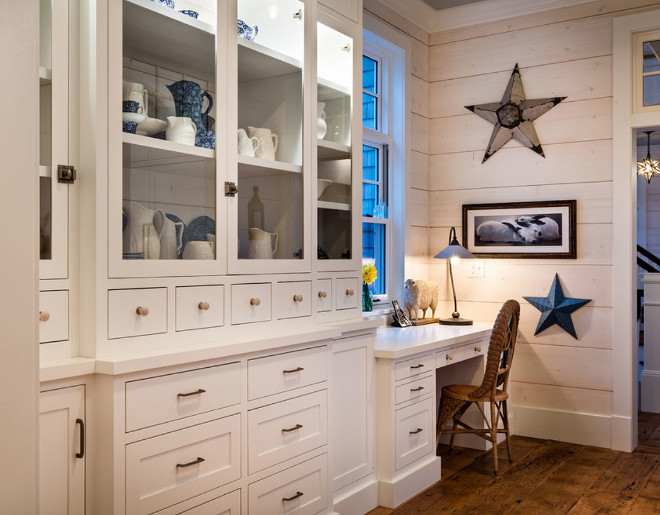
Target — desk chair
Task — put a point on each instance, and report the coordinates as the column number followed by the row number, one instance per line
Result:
column 457, row 398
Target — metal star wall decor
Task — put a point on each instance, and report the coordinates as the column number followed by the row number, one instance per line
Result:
column 556, row 309
column 513, row 116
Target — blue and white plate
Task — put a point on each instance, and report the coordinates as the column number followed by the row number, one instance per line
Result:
column 198, row 229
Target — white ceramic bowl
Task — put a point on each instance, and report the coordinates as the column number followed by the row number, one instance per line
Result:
column 151, row 126
column 321, row 186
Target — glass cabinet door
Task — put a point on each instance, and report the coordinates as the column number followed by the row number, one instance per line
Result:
column 164, row 113
column 334, row 144
column 53, row 138
column 270, row 205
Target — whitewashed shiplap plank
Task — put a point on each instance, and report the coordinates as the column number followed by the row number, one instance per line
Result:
column 566, row 41
column 583, row 120
column 417, row 208
column 564, row 163
column 419, row 170
column 560, row 398
column 419, row 96
column 419, row 62
column 566, row 366
column 577, row 80
column 419, row 133
column 594, row 200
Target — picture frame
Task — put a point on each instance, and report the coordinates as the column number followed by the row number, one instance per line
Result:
column 541, row 230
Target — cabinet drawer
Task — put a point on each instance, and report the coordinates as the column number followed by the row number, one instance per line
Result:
column 415, row 435
column 286, row 429
column 228, row 504
column 324, row 295
column 173, row 396
column 420, row 387
column 53, row 316
column 349, row 293
column 124, row 319
column 250, row 303
column 460, row 353
column 198, row 307
column 167, row 469
column 294, row 299
column 413, row 367
column 274, row 374
column 302, row 489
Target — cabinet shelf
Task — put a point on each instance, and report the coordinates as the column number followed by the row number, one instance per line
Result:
column 330, row 151
column 259, row 62
column 335, row 206
column 45, row 75
column 159, row 35
column 145, row 141
column 328, row 90
column 257, row 167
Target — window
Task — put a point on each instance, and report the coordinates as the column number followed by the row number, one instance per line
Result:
column 383, row 162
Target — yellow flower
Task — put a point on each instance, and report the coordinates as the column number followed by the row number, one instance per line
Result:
column 368, row 274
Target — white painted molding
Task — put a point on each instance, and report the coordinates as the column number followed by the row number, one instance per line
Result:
column 432, row 20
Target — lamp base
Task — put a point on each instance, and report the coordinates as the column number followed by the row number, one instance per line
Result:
column 455, row 321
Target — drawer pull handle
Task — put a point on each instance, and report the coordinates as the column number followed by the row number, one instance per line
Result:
column 204, row 306
column 81, row 452
column 294, row 428
column 477, row 349
column 293, row 370
column 189, row 464
column 418, row 430
column 197, row 392
column 418, row 389
column 297, row 298
column 417, row 366
column 449, row 357
column 255, row 301
column 323, row 294
column 350, row 293
column 44, row 316
column 143, row 311
column 286, row 499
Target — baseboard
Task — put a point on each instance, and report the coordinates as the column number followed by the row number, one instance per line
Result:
column 564, row 426
column 409, row 482
column 356, row 499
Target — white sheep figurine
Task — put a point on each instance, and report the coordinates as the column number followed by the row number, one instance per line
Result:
column 420, row 295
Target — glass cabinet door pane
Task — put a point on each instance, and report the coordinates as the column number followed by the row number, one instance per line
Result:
column 168, row 130
column 45, row 129
column 270, row 46
column 334, row 166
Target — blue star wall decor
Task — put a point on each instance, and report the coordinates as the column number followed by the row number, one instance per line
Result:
column 556, row 309
column 513, row 117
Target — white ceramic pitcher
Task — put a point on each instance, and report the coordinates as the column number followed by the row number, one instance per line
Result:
column 170, row 234
column 140, row 235
column 135, row 91
column 267, row 142
column 262, row 244
column 247, row 146
column 180, row 129
column 321, row 125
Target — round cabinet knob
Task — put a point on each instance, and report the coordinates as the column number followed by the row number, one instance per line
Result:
column 297, row 298
column 350, row 293
column 477, row 349
column 44, row 316
column 255, row 301
column 143, row 311
column 323, row 294
column 204, row 306
column 449, row 357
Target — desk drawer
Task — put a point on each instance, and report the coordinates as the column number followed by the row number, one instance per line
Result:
column 173, row 396
column 250, row 303
column 286, row 429
column 53, row 316
column 420, row 387
column 349, row 293
column 443, row 358
column 167, row 469
column 415, row 432
column 324, row 295
column 282, row 372
column 413, row 367
column 294, row 299
column 137, row 312
column 228, row 504
column 198, row 307
column 302, row 489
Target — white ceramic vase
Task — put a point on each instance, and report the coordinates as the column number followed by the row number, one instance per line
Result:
column 321, row 125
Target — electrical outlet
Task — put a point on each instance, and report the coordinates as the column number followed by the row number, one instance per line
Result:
column 477, row 268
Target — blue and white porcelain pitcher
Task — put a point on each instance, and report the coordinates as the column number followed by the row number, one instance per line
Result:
column 188, row 101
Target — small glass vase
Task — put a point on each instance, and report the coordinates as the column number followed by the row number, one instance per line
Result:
column 367, row 298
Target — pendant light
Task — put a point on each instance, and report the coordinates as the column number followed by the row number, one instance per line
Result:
column 648, row 167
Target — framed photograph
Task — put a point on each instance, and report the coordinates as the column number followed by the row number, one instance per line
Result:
column 521, row 229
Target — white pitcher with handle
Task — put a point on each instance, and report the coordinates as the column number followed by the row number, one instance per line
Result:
column 170, row 234
column 262, row 244
column 267, row 142
column 247, row 146
column 135, row 91
column 140, row 235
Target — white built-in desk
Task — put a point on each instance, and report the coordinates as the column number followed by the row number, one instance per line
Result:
column 412, row 364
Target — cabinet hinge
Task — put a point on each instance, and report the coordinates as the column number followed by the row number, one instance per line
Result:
column 230, row 189
column 66, row 174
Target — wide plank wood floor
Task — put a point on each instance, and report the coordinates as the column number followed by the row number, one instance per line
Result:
column 547, row 477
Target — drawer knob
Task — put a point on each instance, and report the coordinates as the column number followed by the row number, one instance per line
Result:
column 44, row 316
column 294, row 428
column 297, row 298
column 196, row 392
column 418, row 389
column 418, row 430
column 204, row 306
column 477, row 349
column 417, row 366
column 298, row 494
column 350, row 293
column 143, row 311
column 323, row 294
column 255, row 301
column 293, row 370
column 449, row 357
column 190, row 463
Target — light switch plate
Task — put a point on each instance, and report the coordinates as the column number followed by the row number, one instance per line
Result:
column 477, row 268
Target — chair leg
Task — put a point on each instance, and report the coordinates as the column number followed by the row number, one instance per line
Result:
column 505, row 414
column 451, row 438
column 493, row 434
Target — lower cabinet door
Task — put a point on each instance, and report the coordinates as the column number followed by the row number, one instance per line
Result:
column 415, row 432
column 302, row 489
column 61, row 451
column 170, row 468
column 228, row 504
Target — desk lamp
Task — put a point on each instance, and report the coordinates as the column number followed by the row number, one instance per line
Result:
column 454, row 251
